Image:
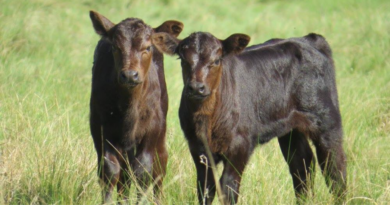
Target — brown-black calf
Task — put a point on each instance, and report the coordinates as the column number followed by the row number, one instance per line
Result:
column 129, row 104
column 235, row 98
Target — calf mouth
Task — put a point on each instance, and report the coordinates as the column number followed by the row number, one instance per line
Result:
column 196, row 96
column 131, row 85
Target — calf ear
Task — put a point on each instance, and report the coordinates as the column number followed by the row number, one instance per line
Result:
column 172, row 27
column 235, row 43
column 165, row 43
column 100, row 23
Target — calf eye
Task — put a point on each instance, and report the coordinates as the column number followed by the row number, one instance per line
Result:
column 149, row 48
column 217, row 62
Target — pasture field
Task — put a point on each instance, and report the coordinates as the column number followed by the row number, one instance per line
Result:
column 46, row 50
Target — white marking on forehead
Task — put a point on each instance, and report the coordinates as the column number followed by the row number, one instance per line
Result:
column 203, row 46
column 195, row 59
column 197, row 43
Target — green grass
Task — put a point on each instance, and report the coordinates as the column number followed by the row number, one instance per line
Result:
column 46, row 49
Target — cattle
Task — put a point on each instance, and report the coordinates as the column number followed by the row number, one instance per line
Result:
column 235, row 98
column 128, row 105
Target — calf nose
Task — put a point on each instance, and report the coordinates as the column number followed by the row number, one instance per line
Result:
column 197, row 88
column 129, row 76
column 132, row 75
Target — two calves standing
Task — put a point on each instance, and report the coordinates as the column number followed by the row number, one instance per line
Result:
column 234, row 98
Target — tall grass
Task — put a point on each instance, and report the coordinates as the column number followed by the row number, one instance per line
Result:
column 46, row 49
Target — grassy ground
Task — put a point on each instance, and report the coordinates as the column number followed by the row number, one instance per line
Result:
column 46, row 48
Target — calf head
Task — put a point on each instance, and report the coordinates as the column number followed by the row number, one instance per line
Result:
column 202, row 57
column 131, row 45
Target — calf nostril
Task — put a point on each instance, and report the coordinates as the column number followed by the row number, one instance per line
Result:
column 123, row 76
column 190, row 88
column 134, row 75
column 201, row 89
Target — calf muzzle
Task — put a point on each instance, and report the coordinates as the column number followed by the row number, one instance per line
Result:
column 129, row 77
column 196, row 90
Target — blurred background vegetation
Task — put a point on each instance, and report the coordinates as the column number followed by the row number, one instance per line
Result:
column 46, row 50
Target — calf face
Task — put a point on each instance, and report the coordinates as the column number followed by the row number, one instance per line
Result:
column 201, row 57
column 131, row 45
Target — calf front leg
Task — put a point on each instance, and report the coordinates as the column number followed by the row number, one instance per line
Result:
column 205, row 181
column 96, row 132
column 124, row 183
column 231, row 176
column 142, row 169
column 159, row 170
column 149, row 165
column 109, row 175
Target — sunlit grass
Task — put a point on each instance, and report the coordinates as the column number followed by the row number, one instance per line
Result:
column 46, row 49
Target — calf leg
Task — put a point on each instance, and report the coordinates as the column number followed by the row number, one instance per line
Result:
column 124, row 183
column 96, row 132
column 109, row 175
column 299, row 157
column 149, row 166
column 234, row 166
column 331, row 158
column 108, row 165
column 123, row 186
column 159, row 169
column 205, row 179
column 142, row 169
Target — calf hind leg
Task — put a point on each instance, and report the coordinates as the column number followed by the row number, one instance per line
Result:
column 300, row 159
column 331, row 158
